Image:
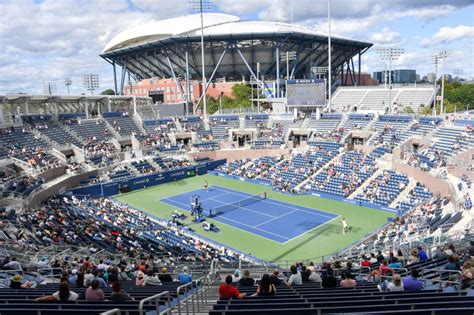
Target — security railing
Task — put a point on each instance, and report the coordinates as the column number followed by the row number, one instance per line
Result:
column 155, row 300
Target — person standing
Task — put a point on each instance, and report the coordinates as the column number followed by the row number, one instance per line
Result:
column 344, row 226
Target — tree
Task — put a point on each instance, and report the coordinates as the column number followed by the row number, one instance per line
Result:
column 107, row 92
column 408, row 110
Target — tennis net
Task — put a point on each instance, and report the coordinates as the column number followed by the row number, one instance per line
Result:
column 237, row 204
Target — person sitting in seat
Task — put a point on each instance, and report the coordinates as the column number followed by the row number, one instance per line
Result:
column 164, row 276
column 274, row 278
column 329, row 281
column 347, row 281
column 246, row 280
column 151, row 279
column 266, row 287
column 226, row 290
column 184, row 277
column 94, row 293
column 411, row 283
column 295, row 277
column 118, row 295
column 63, row 294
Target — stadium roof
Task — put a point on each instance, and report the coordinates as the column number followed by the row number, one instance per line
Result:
column 233, row 49
column 214, row 24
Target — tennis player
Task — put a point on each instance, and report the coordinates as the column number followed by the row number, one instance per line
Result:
column 206, row 185
column 344, row 226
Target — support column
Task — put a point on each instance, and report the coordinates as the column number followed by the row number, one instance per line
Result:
column 115, row 78
column 211, row 77
column 188, row 96
column 87, row 108
column 134, row 105
column 250, row 69
column 277, row 55
column 358, row 76
column 26, row 107
column 178, row 85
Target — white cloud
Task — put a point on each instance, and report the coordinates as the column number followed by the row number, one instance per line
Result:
column 386, row 36
column 449, row 34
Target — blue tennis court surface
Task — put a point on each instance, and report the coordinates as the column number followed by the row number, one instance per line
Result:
column 275, row 220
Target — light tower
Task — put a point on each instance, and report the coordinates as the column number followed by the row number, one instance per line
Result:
column 390, row 54
column 90, row 82
column 49, row 88
column 67, row 83
column 443, row 55
column 201, row 6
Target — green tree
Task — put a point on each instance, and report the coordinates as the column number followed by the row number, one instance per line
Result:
column 107, row 92
column 408, row 110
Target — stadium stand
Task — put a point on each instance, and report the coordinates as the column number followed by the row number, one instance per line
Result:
column 67, row 236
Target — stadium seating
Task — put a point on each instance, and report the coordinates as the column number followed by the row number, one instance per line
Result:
column 122, row 123
column 384, row 189
column 220, row 125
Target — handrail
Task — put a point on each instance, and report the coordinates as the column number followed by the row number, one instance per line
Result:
column 185, row 286
column 440, row 272
column 156, row 299
column 115, row 311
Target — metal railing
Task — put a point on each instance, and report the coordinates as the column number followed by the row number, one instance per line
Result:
column 115, row 311
column 188, row 288
column 155, row 299
column 453, row 278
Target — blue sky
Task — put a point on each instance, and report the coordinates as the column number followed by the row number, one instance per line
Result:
column 48, row 40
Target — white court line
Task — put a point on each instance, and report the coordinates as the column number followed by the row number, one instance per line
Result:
column 270, row 216
column 186, row 192
column 278, row 217
column 285, row 204
column 316, row 227
column 250, row 226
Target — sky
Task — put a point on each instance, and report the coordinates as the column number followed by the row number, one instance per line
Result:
column 46, row 41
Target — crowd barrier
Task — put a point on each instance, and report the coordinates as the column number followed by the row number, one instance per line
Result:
column 134, row 183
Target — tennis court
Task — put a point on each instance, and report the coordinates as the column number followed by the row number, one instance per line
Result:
column 272, row 219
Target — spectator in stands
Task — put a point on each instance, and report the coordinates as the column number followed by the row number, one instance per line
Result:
column 452, row 263
column 365, row 262
column 347, row 281
column 396, row 285
column 13, row 264
column 275, row 279
column 471, row 250
column 422, row 255
column 184, row 277
column 313, row 276
column 329, row 281
column 118, row 295
column 413, row 258
column 380, row 257
column 164, row 276
column 295, row 277
column 226, row 290
column 140, row 279
column 15, row 283
column 373, row 259
column 112, row 273
column 64, row 294
column 80, row 280
column 236, row 276
column 467, row 275
column 101, row 280
column 411, row 283
column 152, row 279
column 266, row 287
column 246, row 280
column 73, row 276
column 94, row 293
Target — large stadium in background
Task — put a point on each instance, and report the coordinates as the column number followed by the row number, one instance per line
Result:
column 233, row 49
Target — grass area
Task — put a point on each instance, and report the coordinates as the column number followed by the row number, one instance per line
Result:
column 323, row 240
